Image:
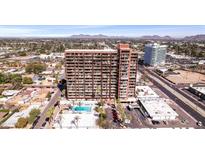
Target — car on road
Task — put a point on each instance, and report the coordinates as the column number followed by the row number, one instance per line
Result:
column 155, row 122
column 199, row 123
column 129, row 107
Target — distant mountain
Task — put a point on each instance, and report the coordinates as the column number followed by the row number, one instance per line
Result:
column 89, row 36
column 156, row 37
column 148, row 37
column 200, row 37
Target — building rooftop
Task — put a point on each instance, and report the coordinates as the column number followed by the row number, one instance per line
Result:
column 155, row 45
column 14, row 118
column 162, row 69
column 158, row 109
column 145, row 92
column 90, row 50
column 10, row 92
column 123, row 46
column 199, row 89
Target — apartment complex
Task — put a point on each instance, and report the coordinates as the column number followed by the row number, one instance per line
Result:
column 155, row 54
column 101, row 74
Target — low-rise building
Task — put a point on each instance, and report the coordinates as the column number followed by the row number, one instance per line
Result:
column 198, row 90
column 145, row 92
column 162, row 70
column 9, row 93
column 157, row 109
column 11, row 122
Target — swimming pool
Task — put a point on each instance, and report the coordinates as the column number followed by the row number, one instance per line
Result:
column 82, row 108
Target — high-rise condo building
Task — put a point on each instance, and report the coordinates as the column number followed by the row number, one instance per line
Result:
column 155, row 54
column 101, row 74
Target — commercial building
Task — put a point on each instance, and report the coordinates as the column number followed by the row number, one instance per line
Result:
column 198, row 90
column 157, row 109
column 145, row 92
column 101, row 74
column 155, row 54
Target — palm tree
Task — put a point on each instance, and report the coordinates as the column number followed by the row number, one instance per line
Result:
column 76, row 119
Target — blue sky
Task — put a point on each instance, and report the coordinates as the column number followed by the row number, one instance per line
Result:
column 110, row 30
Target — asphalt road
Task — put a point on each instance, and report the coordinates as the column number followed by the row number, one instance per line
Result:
column 178, row 89
column 42, row 117
column 173, row 96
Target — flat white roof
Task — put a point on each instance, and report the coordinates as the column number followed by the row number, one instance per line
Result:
column 200, row 89
column 10, row 92
column 158, row 109
column 162, row 69
column 178, row 56
column 155, row 45
column 145, row 91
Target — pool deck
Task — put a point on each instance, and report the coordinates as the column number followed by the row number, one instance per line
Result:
column 71, row 119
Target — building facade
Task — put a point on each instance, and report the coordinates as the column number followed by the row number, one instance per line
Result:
column 155, row 54
column 101, row 74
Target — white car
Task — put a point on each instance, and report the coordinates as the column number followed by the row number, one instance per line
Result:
column 199, row 123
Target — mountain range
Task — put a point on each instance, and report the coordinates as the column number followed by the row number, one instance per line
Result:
column 200, row 37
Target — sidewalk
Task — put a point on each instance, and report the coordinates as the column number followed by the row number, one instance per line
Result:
column 56, row 111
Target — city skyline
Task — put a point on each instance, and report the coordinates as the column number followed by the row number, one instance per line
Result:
column 177, row 31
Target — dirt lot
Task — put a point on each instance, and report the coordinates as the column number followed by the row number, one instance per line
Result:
column 186, row 77
column 39, row 97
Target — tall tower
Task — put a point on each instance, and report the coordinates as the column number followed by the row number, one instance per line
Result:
column 127, row 72
column 155, row 54
column 101, row 74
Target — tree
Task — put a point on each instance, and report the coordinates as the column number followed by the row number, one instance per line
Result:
column 35, row 68
column 102, row 121
column 27, row 80
column 16, row 80
column 23, row 53
column 76, row 120
column 58, row 66
column 32, row 115
column 21, row 123
column 49, row 113
column 48, row 95
column 121, row 110
column 2, row 78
